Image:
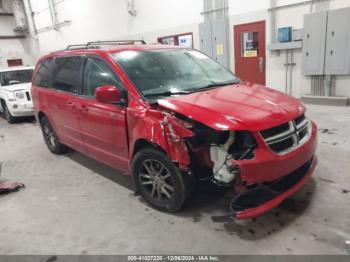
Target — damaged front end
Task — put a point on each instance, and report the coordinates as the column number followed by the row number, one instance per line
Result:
column 261, row 179
column 214, row 154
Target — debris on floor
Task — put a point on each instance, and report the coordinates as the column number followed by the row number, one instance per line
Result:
column 6, row 188
column 328, row 131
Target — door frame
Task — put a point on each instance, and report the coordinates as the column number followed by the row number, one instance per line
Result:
column 264, row 44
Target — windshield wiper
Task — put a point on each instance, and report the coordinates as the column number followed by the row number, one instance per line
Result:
column 167, row 93
column 210, row 86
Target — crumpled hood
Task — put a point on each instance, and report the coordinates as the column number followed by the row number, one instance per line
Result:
column 237, row 107
column 11, row 88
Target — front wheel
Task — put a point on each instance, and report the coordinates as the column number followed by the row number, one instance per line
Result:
column 158, row 180
column 10, row 119
column 51, row 138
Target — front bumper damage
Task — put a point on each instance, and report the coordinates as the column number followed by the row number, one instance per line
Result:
column 268, row 179
column 260, row 177
column 265, row 196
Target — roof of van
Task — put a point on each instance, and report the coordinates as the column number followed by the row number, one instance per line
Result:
column 113, row 49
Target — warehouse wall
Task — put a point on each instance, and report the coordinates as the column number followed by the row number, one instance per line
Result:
column 108, row 19
column 12, row 48
column 275, row 73
column 154, row 17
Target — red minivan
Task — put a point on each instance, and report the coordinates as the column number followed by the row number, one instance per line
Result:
column 172, row 117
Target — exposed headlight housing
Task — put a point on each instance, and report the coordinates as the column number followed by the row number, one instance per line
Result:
column 20, row 95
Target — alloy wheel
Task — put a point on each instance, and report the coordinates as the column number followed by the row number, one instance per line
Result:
column 49, row 135
column 157, row 180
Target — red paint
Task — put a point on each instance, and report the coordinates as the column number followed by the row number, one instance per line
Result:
column 14, row 62
column 238, row 107
column 110, row 133
column 267, row 166
column 248, row 68
column 254, row 212
column 107, row 94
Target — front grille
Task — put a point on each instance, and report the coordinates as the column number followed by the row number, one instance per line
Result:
column 282, row 145
column 286, row 137
column 275, row 130
column 303, row 133
column 28, row 96
column 299, row 120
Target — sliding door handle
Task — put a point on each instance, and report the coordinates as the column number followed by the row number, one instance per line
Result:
column 70, row 104
column 84, row 108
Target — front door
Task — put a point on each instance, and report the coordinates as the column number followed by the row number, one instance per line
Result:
column 250, row 50
column 103, row 125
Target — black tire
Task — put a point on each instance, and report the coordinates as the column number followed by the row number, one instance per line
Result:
column 51, row 138
column 169, row 191
column 10, row 119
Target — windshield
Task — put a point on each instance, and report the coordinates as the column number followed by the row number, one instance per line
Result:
column 16, row 77
column 173, row 71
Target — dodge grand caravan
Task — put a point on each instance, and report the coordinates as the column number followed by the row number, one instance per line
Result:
column 170, row 117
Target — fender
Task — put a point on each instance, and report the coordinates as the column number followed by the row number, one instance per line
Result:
column 6, row 96
column 161, row 129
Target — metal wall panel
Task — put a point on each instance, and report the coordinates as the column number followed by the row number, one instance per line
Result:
column 214, row 41
column 220, row 45
column 338, row 43
column 314, row 39
column 205, row 38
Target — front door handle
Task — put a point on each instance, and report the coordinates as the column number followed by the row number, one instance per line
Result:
column 261, row 64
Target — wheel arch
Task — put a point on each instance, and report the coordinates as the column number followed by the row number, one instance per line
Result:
column 2, row 102
column 143, row 143
column 41, row 114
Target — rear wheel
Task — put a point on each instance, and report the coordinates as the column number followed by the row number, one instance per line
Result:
column 159, row 181
column 51, row 138
column 7, row 113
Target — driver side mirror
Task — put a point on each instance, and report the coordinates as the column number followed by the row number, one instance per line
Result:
column 108, row 94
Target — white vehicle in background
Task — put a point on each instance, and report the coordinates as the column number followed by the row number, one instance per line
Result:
column 15, row 95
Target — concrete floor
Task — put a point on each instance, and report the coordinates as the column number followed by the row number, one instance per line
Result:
column 74, row 205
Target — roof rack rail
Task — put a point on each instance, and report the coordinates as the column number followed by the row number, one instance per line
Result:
column 116, row 42
column 77, row 46
column 94, row 44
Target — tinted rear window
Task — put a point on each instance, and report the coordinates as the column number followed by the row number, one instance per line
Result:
column 67, row 74
column 43, row 73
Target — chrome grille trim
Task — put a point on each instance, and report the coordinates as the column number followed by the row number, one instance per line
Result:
column 295, row 131
column 281, row 135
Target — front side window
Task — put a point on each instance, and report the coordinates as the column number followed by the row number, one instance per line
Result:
column 43, row 73
column 97, row 73
column 67, row 74
column 170, row 71
column 16, row 77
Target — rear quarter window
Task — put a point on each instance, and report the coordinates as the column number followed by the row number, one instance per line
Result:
column 43, row 73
